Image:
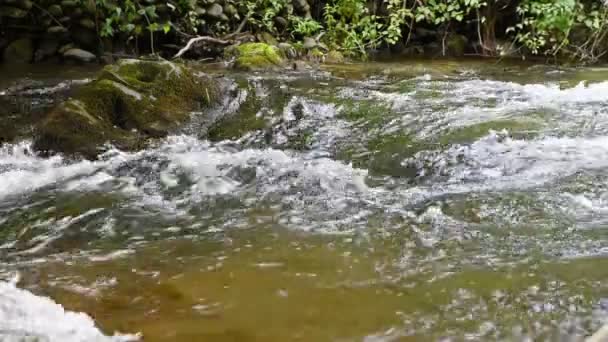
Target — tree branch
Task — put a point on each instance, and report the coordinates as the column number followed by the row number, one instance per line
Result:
column 195, row 40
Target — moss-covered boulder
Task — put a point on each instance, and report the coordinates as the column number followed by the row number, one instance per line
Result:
column 255, row 56
column 129, row 103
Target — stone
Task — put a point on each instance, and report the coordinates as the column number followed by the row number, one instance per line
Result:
column 47, row 48
column 267, row 38
column 79, row 55
column 76, row 13
column 19, row 51
column 255, row 56
column 456, row 44
column 12, row 12
column 299, row 65
column 334, row 57
column 302, row 6
column 215, row 11
column 288, row 50
column 230, row 10
column 55, row 11
column 309, row 43
column 87, row 23
column 281, row 22
column 130, row 103
column 200, row 11
column 69, row 3
column 57, row 30
column 65, row 48
column 25, row 4
column 316, row 55
column 85, row 38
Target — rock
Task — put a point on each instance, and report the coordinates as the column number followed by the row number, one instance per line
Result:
column 129, row 103
column 309, row 43
column 267, row 38
column 200, row 11
column 316, row 55
column 456, row 45
column 215, row 11
column 12, row 12
column 288, row 50
column 58, row 30
column 24, row 4
column 302, row 6
column 65, row 48
column 79, row 55
column 281, row 22
column 76, row 13
column 69, row 3
column 299, row 65
column 230, row 10
column 19, row 51
column 421, row 32
column 47, row 48
column 55, row 11
column 85, row 38
column 106, row 58
column 255, row 56
column 87, row 23
column 334, row 57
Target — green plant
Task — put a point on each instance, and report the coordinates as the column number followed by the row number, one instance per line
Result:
column 127, row 19
column 303, row 26
column 352, row 28
column 262, row 13
column 547, row 27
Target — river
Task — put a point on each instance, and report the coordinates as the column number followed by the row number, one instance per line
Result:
column 386, row 201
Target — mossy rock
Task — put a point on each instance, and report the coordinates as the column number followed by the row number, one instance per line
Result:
column 129, row 103
column 255, row 56
column 334, row 57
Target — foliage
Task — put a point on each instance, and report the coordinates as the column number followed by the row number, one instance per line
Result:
column 576, row 28
column 547, row 27
column 438, row 12
column 126, row 18
column 351, row 27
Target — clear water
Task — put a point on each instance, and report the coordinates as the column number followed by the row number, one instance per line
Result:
column 386, row 201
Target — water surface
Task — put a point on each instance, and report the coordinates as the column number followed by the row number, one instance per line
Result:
column 387, row 201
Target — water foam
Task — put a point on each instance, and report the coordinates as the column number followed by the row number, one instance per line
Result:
column 27, row 317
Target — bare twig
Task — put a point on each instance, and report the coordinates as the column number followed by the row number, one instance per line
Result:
column 242, row 24
column 49, row 14
column 195, row 40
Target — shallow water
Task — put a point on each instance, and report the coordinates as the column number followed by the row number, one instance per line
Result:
column 404, row 201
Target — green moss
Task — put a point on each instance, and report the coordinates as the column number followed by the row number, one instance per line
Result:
column 471, row 133
column 253, row 56
column 235, row 126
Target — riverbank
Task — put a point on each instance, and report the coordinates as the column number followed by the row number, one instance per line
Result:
column 96, row 30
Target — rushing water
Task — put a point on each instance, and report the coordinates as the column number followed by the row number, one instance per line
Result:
column 387, row 201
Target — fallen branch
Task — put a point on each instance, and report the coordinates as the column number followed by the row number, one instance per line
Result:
column 195, row 40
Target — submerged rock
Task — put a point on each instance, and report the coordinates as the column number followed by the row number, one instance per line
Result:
column 130, row 102
column 255, row 56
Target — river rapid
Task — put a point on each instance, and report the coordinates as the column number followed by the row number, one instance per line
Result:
column 387, row 201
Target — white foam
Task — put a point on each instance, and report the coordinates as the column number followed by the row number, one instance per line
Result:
column 27, row 317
